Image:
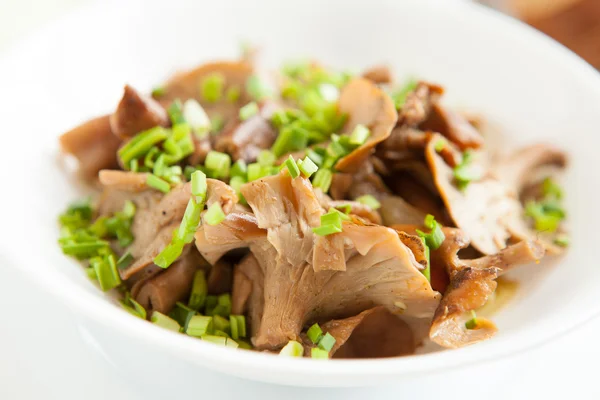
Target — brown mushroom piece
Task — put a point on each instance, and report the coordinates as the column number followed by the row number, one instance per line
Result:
column 418, row 104
column 453, row 126
column 162, row 290
column 379, row 74
column 187, row 85
column 93, row 144
column 368, row 105
column 374, row 333
column 379, row 268
column 483, row 209
column 136, row 113
column 472, row 282
column 245, row 139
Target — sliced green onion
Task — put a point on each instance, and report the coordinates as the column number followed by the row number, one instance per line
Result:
column 320, row 354
column 543, row 221
column 106, row 271
column 217, row 122
column 369, row 201
column 472, row 323
column 134, row 165
column 182, row 314
column 315, row 333
column 142, row 143
column 91, row 273
column 292, row 349
column 141, row 311
column 307, row 167
column 199, row 186
column 157, row 183
column 164, row 321
column 255, row 171
column 125, row 260
column 175, row 112
column 158, row 91
column 223, row 306
column 290, row 138
column 196, row 117
column 218, row 332
column 359, row 135
column 327, row 342
column 218, row 163
column 551, row 189
column 266, row 158
column 322, row 179
column 343, row 216
column 221, row 324
column 345, row 208
column 249, row 110
column 199, row 325
column 214, row 215
column 220, row 340
column 256, row 89
column 169, row 254
column 210, row 304
column 465, row 173
column 212, row 86
column 436, row 237
column 238, row 326
column 440, row 145
column 292, row 167
column 240, row 168
column 199, row 291
column 244, row 344
column 562, row 240
column 427, row 271
column 315, row 157
column 150, row 157
column 233, row 94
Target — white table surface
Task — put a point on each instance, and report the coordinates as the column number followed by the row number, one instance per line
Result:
column 44, row 354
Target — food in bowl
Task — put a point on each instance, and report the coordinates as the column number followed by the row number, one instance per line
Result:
column 316, row 213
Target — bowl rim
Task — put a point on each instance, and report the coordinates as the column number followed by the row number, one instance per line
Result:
column 266, row 367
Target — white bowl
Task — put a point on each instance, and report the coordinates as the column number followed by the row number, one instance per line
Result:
column 528, row 86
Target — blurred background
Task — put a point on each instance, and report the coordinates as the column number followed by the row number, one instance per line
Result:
column 574, row 23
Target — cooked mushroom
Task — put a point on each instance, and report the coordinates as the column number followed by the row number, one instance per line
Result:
column 367, row 105
column 453, row 126
column 136, row 113
column 93, row 144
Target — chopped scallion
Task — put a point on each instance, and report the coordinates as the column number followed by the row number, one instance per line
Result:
column 315, row 333
column 214, row 215
column 292, row 349
column 249, row 110
column 327, row 342
column 322, row 179
column 240, row 168
column 369, row 201
column 218, row 163
column 212, row 86
column 158, row 183
column 164, row 321
column 292, row 167
column 319, row 354
column 199, row 186
column 359, row 135
column 266, row 158
column 199, row 325
column 124, row 260
column 199, row 291
column 170, row 253
column 472, row 323
column 307, row 167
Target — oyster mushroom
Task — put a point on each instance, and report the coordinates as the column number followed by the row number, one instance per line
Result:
column 368, row 105
column 136, row 113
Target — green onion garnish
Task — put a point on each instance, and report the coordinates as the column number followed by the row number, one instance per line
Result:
column 142, row 143
column 464, row 173
column 292, row 349
column 175, row 112
column 320, row 354
column 221, row 324
column 472, row 323
column 256, row 89
column 199, row 291
column 169, row 254
column 182, row 314
column 256, row 171
column 106, row 271
column 212, row 86
column 307, row 167
column 322, row 179
column 158, row 91
column 196, row 117
column 327, row 342
column 551, row 189
column 233, row 94
column 562, row 240
column 369, row 201
column 345, row 208
column 237, row 326
column 315, row 157
column 124, row 260
column 544, row 219
column 344, row 216
column 440, row 145
column 291, row 138
column 266, row 158
column 218, row 163
column 240, row 168
column 292, row 167
column 164, row 321
column 199, row 325
column 217, row 123
column 214, row 215
column 199, row 186
column 249, row 110
column 359, row 135
column 435, row 238
column 158, row 184
column 315, row 333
